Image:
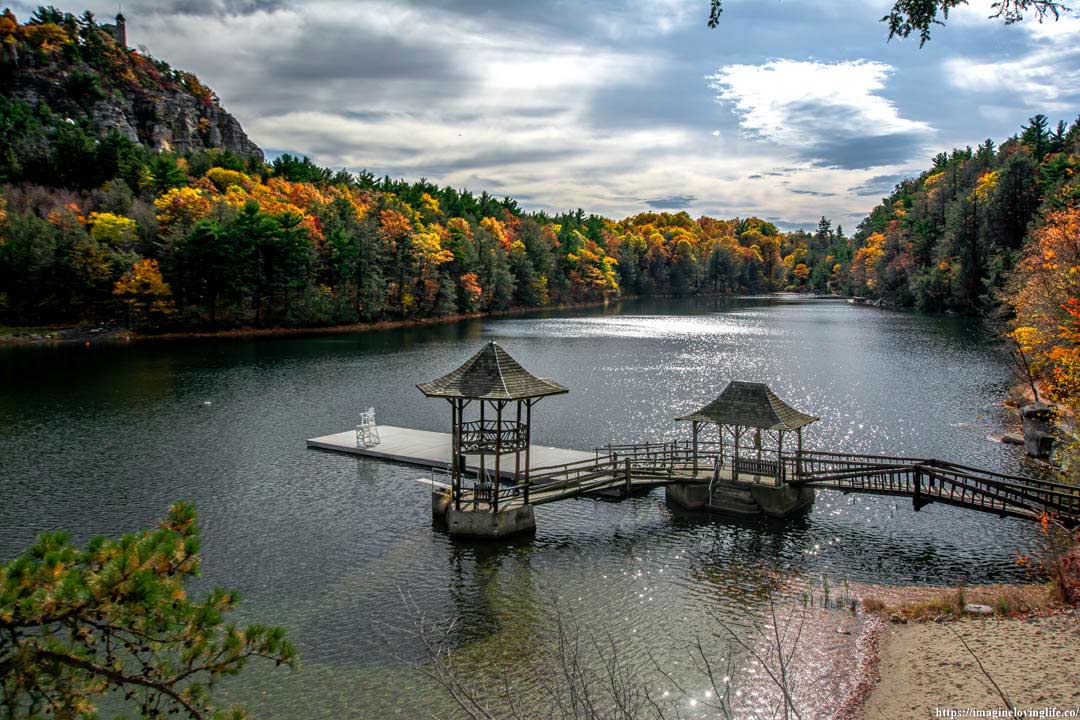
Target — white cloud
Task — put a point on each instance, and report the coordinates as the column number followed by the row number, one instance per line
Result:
column 466, row 97
column 1046, row 77
column 816, row 107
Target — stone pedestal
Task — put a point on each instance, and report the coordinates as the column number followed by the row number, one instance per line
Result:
column 1037, row 422
column 481, row 524
column 742, row 499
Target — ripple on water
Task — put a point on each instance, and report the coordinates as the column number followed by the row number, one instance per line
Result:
column 102, row 441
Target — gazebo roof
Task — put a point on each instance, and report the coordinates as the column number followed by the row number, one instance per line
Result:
column 491, row 374
column 751, row 405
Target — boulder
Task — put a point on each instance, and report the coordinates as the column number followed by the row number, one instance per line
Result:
column 1037, row 422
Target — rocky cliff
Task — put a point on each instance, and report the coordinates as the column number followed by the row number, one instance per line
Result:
column 170, row 119
column 73, row 70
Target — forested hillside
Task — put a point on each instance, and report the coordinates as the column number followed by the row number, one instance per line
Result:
column 948, row 239
column 993, row 230
column 173, row 221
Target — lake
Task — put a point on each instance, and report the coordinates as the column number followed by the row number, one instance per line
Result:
column 103, row 439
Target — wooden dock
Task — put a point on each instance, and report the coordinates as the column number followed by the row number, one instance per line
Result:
column 424, row 448
column 560, row 473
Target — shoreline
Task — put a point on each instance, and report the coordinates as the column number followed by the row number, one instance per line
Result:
column 80, row 334
column 75, row 335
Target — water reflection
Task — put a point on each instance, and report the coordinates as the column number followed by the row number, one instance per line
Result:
column 102, row 440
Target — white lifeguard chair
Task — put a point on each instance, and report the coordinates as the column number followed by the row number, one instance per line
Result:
column 367, row 432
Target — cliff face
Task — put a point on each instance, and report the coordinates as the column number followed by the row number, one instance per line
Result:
column 82, row 73
column 170, row 119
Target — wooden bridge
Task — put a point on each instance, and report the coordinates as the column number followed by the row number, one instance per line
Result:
column 627, row 468
column 495, row 474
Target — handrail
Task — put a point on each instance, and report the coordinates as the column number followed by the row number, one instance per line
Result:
column 676, row 461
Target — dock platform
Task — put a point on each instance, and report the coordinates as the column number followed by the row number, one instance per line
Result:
column 425, row 448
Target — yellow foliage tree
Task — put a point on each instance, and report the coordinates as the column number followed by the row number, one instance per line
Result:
column 429, row 206
column 114, row 230
column 145, row 292
column 497, row 230
column 985, row 185
column 224, row 178
column 592, row 276
column 864, row 266
column 182, row 206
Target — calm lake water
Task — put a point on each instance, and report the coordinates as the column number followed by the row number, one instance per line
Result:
column 101, row 440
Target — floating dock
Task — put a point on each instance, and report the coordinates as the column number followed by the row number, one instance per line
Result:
column 424, row 448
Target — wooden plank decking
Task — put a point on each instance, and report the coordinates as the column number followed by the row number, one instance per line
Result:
column 432, row 449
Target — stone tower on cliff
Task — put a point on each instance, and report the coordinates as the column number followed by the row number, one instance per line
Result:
column 119, row 30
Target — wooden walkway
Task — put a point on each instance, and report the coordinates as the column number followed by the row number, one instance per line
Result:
column 559, row 474
column 928, row 480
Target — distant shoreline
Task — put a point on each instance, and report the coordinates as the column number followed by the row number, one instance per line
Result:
column 76, row 335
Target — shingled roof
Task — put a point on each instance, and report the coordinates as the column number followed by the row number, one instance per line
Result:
column 491, row 374
column 751, row 405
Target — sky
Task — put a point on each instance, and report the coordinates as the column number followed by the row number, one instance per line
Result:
column 789, row 110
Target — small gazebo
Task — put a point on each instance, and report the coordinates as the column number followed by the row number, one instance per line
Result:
column 749, row 409
column 500, row 389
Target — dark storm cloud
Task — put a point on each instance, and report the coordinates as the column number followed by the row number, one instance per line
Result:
column 497, row 158
column 879, row 185
column 356, row 53
column 671, row 202
column 203, row 8
column 833, row 140
column 672, row 98
column 859, row 153
column 813, row 193
column 789, row 226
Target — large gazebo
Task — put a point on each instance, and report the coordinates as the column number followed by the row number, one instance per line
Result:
column 501, row 394
column 750, row 409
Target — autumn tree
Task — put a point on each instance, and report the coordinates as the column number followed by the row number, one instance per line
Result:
column 147, row 296
column 115, row 617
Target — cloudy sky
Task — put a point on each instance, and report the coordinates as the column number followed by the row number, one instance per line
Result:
column 789, row 110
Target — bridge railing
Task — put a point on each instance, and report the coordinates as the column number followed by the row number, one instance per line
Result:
column 1031, row 494
column 939, row 479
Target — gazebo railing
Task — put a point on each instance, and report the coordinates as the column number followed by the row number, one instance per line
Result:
column 755, row 466
column 488, row 435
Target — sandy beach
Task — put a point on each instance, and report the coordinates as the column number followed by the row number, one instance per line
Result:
column 925, row 668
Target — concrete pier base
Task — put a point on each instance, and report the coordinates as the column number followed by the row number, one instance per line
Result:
column 742, row 499
column 481, row 524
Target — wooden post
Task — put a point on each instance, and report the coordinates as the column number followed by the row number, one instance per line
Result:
column 483, row 457
column 694, row 425
column 498, row 454
column 720, row 434
column 780, row 469
column 528, row 444
column 735, row 456
column 626, row 470
column 517, row 447
column 798, row 456
column 455, row 444
column 757, row 447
